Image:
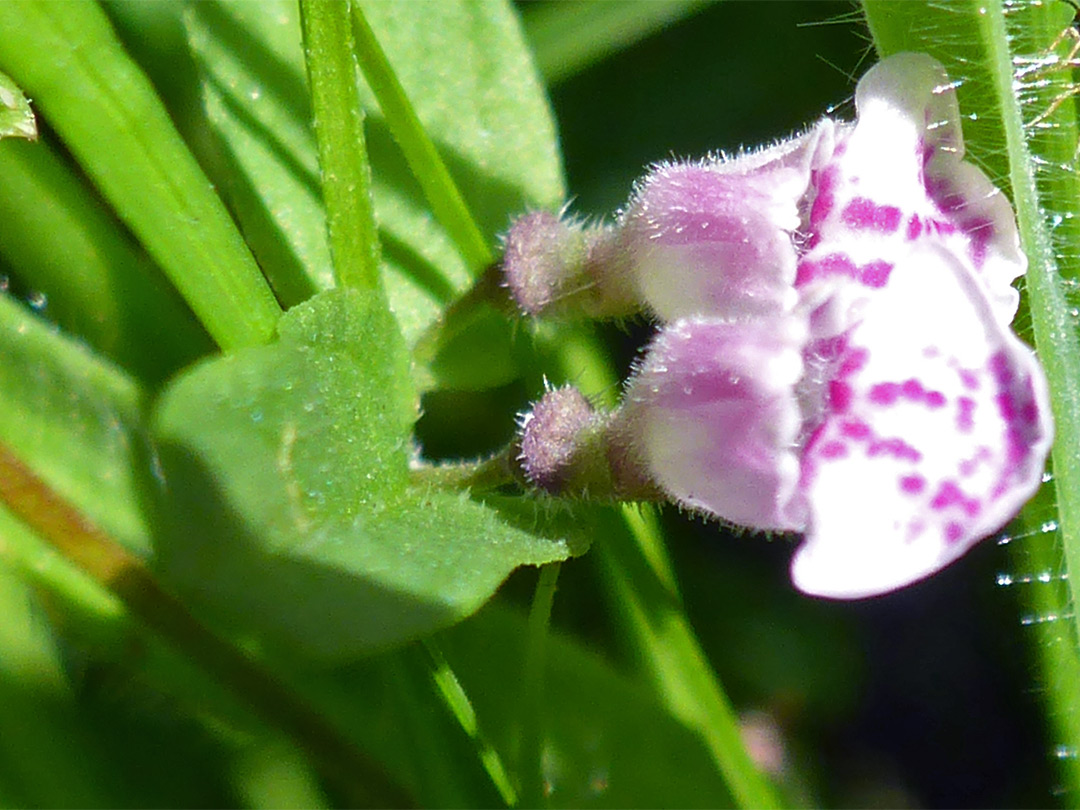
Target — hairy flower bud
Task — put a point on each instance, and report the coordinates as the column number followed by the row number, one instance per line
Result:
column 553, row 267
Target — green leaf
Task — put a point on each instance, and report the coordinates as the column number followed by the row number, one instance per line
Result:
column 255, row 92
column 16, row 117
column 570, row 35
column 420, row 153
column 107, row 114
column 75, row 420
column 467, row 71
column 44, row 734
column 287, row 471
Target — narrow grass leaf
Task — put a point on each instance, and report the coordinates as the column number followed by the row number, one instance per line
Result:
column 107, row 114
column 83, row 270
column 423, row 158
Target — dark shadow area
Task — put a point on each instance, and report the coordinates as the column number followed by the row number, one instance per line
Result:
column 208, row 556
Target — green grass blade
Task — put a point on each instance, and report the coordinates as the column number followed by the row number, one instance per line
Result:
column 16, row 117
column 423, row 158
column 61, row 242
column 106, row 112
column 1020, row 123
column 530, row 757
column 339, row 129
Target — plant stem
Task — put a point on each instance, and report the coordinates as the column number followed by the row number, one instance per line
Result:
column 641, row 591
column 457, row 701
column 476, row 476
column 339, row 130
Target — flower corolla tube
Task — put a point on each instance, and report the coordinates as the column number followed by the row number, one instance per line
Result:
column 834, row 354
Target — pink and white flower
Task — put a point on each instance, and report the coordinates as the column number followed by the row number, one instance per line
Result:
column 835, row 354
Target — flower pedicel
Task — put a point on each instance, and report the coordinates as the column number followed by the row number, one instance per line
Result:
column 834, row 354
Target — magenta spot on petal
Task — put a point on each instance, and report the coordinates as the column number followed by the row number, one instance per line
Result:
column 835, row 264
column 855, row 430
column 969, row 379
column 854, row 362
column 1006, row 406
column 999, row 367
column 833, row 449
column 951, row 203
column 953, row 532
column 885, row 393
column 1029, row 414
column 897, row 448
column 876, row 273
column 965, row 414
column 926, row 150
column 934, row 399
column 914, row 227
column 825, row 182
column 969, row 466
column 911, row 389
column 980, row 230
column 940, row 227
column 949, row 494
column 805, row 273
column 912, row 484
column 865, row 214
column 840, row 396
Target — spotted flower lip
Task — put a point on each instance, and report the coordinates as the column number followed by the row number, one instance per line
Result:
column 834, row 355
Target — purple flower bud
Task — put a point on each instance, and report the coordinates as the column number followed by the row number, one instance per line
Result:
column 553, row 435
column 555, row 267
column 567, row 449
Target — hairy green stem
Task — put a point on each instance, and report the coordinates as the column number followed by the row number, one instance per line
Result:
column 339, row 130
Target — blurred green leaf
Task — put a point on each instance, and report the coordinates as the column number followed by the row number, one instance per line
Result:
column 470, row 79
column 106, row 112
column 608, row 742
column 76, row 421
column 570, row 35
column 420, row 153
column 44, row 734
column 255, row 93
column 287, row 472
column 90, row 277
